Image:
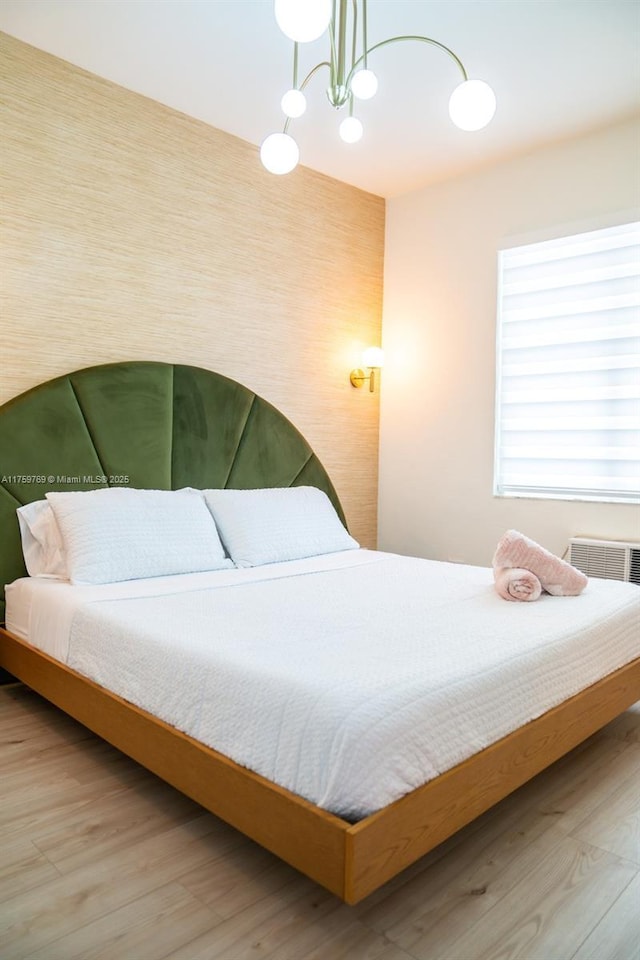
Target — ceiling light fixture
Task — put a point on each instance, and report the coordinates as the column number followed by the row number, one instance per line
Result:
column 472, row 103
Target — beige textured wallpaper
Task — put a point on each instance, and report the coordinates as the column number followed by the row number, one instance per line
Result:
column 130, row 231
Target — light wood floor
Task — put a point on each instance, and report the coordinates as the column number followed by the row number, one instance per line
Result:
column 100, row 859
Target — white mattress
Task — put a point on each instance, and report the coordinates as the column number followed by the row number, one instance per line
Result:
column 349, row 679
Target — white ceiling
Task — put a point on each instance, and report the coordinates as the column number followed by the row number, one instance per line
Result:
column 558, row 67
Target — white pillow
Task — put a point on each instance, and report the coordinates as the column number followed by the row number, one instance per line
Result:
column 277, row 524
column 125, row 534
column 41, row 541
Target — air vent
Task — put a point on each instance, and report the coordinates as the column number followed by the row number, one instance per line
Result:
column 608, row 559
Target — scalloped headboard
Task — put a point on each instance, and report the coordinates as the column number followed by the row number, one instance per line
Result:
column 159, row 425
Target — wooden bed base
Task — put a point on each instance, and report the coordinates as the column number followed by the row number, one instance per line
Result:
column 351, row 860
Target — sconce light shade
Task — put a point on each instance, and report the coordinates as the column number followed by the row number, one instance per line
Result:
column 373, row 358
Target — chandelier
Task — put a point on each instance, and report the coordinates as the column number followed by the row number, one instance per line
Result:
column 471, row 106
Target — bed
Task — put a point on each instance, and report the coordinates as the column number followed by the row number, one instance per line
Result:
column 169, row 427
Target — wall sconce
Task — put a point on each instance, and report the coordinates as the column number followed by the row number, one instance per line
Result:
column 373, row 359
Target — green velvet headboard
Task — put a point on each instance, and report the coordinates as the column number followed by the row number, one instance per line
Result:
column 159, row 425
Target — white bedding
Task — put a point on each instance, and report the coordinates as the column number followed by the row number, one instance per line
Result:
column 41, row 610
column 350, row 679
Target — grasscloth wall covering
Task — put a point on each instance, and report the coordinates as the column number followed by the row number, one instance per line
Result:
column 130, row 231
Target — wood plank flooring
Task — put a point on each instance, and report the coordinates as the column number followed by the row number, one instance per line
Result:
column 100, row 860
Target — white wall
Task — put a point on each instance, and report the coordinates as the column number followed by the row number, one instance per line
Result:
column 437, row 420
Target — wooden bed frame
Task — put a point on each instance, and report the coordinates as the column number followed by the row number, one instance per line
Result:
column 351, row 860
column 167, row 426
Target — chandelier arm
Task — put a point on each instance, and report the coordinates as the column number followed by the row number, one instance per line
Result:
column 364, row 34
column 323, row 63
column 318, row 66
column 341, row 54
column 332, row 43
column 385, row 43
column 354, row 34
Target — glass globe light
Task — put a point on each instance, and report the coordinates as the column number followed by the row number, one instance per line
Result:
column 351, row 130
column 303, row 20
column 294, row 103
column 472, row 105
column 364, row 84
column 279, row 153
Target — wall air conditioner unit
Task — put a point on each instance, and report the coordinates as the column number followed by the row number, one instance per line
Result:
column 609, row 559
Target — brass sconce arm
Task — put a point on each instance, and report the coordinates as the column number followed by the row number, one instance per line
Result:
column 358, row 378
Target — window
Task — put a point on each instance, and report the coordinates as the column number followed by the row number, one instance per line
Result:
column 568, row 373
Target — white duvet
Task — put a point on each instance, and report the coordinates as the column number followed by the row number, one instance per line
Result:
column 350, row 679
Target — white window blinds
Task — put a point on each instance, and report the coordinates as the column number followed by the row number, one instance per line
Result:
column 568, row 384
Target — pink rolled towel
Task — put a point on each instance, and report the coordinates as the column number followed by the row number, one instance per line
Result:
column 556, row 576
column 515, row 583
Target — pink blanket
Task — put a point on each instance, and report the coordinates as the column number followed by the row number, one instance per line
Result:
column 556, row 576
column 514, row 583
